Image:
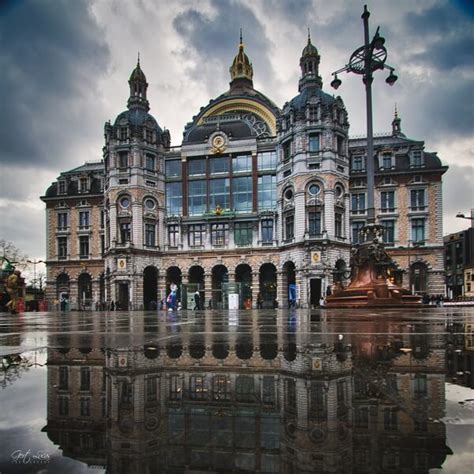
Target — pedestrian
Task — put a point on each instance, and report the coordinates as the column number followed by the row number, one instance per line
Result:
column 112, row 306
column 197, row 301
column 322, row 302
column 259, row 301
column 328, row 290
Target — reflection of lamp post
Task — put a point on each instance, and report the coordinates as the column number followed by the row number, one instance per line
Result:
column 34, row 262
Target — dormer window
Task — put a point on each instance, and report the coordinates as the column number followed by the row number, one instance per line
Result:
column 417, row 159
column 312, row 113
column 149, row 136
column 358, row 163
column 123, row 133
column 386, row 163
column 62, row 187
column 83, row 185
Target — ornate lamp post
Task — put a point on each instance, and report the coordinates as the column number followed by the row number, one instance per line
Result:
column 370, row 263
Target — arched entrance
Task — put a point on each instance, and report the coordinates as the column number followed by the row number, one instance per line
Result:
column 243, row 275
column 418, row 278
column 84, row 283
column 268, row 284
column 289, row 284
column 150, row 288
column 173, row 277
column 196, row 283
column 62, row 290
column 220, row 278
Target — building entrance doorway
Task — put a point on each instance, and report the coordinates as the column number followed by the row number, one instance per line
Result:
column 315, row 291
column 150, row 288
column 123, row 295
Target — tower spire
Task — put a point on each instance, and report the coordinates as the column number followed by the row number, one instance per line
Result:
column 396, row 123
column 241, row 71
column 138, row 88
column 309, row 63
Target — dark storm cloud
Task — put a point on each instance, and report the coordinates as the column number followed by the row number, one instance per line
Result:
column 448, row 36
column 51, row 56
column 215, row 38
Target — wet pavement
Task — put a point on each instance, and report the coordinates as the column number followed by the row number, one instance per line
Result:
column 336, row 391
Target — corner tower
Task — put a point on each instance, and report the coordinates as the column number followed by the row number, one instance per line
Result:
column 134, row 193
column 313, row 183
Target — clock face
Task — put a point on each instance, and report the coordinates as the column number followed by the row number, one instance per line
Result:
column 218, row 141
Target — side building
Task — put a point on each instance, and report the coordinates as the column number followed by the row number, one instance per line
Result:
column 75, row 237
column 408, row 203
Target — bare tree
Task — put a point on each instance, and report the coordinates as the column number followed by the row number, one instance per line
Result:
column 13, row 254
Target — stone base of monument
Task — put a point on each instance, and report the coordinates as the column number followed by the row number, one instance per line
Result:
column 370, row 284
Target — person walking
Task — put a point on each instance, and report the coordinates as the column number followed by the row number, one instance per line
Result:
column 197, row 301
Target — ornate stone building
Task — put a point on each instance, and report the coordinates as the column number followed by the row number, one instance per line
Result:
column 252, row 209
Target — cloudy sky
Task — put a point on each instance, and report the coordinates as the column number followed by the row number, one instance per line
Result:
column 65, row 66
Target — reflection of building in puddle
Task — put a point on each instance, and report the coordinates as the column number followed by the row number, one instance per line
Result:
column 77, row 389
column 460, row 353
column 269, row 396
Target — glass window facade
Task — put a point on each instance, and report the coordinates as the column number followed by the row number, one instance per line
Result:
column 358, row 163
column 173, row 169
column 150, row 235
column 389, row 231
column 219, row 234
column 418, row 230
column 267, row 230
column 174, row 199
column 289, row 227
column 242, row 194
column 173, row 235
column 313, row 143
column 387, row 201
column 314, row 223
column 197, row 197
column 196, row 235
column 356, row 228
column 358, row 203
column 338, row 225
column 219, row 193
column 266, row 192
column 197, row 167
column 417, row 198
column 243, row 232
column 219, row 165
column 242, row 164
column 266, row 160
column 150, row 162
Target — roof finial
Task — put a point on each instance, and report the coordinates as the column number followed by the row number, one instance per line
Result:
column 396, row 111
column 138, row 60
column 240, row 35
column 309, row 35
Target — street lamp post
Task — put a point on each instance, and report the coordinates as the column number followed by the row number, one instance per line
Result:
column 370, row 264
column 34, row 262
column 365, row 61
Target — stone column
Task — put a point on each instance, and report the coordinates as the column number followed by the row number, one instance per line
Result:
column 281, row 292
column 255, row 288
column 161, row 286
column 329, row 212
column 207, row 288
column 300, row 281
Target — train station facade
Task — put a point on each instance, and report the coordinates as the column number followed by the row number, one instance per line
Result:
column 257, row 206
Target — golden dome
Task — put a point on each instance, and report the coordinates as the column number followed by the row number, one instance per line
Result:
column 241, row 66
